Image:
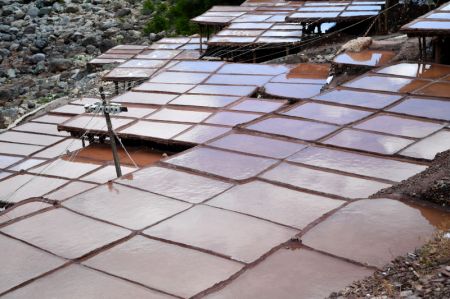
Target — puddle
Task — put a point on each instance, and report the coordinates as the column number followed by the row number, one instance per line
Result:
column 253, row 69
column 381, row 83
column 232, row 119
column 277, row 204
column 257, row 145
column 201, row 133
column 29, row 138
column 295, row 128
column 178, row 115
column 197, row 66
column 144, row 98
column 400, row 126
column 370, row 142
column 158, row 54
column 120, row 73
column 18, row 149
column 326, row 113
column 358, row 98
column 65, row 233
column 231, row 90
column 213, row 101
column 176, row 184
column 150, row 129
column 258, row 105
column 323, row 181
column 6, row 161
column 171, row 268
column 423, row 107
column 22, row 210
column 241, row 237
column 70, row 190
column 180, row 77
column 353, row 162
column 256, row 80
column 291, row 274
column 67, row 282
column 428, row 148
column 142, row 63
column 23, row 262
column 292, row 91
column 162, row 87
column 225, row 164
column 142, row 208
column 24, row 186
column 378, row 229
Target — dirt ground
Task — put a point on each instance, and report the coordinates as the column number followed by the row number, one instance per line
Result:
column 422, row 274
column 431, row 185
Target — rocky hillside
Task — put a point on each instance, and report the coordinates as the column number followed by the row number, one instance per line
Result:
column 45, row 44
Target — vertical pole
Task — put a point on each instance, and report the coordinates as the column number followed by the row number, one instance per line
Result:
column 116, row 83
column 201, row 38
column 112, row 138
column 420, row 49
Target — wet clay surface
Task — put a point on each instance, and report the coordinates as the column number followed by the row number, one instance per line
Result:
column 64, row 233
column 222, row 163
column 306, row 274
column 167, row 267
column 66, row 283
column 321, row 181
column 380, row 229
column 143, row 208
column 278, row 204
column 23, row 262
column 238, row 236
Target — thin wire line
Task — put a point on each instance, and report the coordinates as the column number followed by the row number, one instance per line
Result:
column 126, row 152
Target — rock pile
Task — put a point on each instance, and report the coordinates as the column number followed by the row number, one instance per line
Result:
column 45, row 45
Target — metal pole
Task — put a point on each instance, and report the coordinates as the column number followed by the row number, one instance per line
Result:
column 111, row 135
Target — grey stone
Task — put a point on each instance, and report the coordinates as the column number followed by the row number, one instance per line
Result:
column 91, row 49
column 14, row 47
column 44, row 11
column 123, row 12
column 6, row 37
column 30, row 29
column 4, row 28
column 4, row 52
column 31, row 105
column 71, row 8
column 40, row 67
column 153, row 37
column 11, row 73
column 41, row 43
column 59, row 64
column 89, row 40
column 108, row 24
column 33, row 11
column 37, row 58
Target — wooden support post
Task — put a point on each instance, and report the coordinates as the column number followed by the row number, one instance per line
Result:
column 201, row 38
column 116, row 83
column 420, row 49
column 112, row 138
